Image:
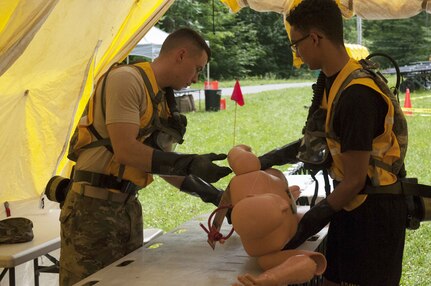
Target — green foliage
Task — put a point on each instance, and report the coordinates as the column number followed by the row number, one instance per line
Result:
column 243, row 44
column 183, row 13
column 406, row 40
column 272, row 37
column 253, row 44
column 234, row 52
column 350, row 33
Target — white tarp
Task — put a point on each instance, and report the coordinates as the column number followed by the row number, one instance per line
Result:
column 150, row 44
column 369, row 9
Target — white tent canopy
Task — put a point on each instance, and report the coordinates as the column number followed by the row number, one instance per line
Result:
column 370, row 9
column 150, row 44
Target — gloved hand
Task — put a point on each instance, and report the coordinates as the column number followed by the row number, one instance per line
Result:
column 280, row 156
column 311, row 223
column 195, row 186
column 202, row 166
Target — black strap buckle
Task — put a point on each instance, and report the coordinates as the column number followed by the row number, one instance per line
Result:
column 106, row 181
column 128, row 187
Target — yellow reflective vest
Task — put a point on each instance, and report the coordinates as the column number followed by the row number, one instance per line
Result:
column 84, row 136
column 385, row 148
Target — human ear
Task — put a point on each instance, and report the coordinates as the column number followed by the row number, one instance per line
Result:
column 316, row 38
column 181, row 53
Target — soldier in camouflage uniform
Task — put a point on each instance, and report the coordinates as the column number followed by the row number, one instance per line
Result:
column 107, row 234
column 120, row 142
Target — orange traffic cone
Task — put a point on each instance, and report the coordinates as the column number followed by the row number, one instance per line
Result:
column 222, row 103
column 407, row 103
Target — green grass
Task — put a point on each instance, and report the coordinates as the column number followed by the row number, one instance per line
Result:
column 269, row 120
column 417, row 253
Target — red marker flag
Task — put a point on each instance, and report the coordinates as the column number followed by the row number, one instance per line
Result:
column 237, row 94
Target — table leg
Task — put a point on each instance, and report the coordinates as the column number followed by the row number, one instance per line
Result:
column 12, row 276
column 36, row 272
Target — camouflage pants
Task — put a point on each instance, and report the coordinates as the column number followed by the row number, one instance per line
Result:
column 96, row 233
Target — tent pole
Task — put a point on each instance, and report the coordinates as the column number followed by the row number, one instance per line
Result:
column 208, row 65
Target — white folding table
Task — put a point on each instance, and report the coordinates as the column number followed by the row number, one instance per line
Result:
column 46, row 230
column 307, row 186
column 183, row 257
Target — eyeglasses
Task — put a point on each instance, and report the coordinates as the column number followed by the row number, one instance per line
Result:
column 294, row 45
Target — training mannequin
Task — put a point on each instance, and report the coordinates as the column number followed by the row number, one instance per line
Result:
column 264, row 216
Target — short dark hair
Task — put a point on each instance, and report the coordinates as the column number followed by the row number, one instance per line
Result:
column 323, row 15
column 185, row 35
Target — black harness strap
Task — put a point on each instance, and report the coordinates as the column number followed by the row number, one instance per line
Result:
column 105, row 181
column 316, row 189
column 400, row 188
column 155, row 120
column 316, row 186
column 155, row 100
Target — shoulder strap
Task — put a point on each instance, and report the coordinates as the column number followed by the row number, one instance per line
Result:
column 155, row 100
column 155, row 120
column 354, row 75
column 100, row 140
column 103, row 94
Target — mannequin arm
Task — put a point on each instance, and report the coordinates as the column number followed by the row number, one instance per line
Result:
column 270, row 261
column 297, row 268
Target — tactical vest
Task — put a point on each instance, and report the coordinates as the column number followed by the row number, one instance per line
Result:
column 389, row 148
column 85, row 135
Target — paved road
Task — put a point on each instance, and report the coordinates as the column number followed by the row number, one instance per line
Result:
column 266, row 87
column 227, row 92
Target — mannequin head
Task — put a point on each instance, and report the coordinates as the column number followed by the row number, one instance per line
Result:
column 242, row 160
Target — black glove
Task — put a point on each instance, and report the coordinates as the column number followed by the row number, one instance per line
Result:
column 280, row 156
column 311, row 223
column 195, row 186
column 178, row 122
column 174, row 164
column 229, row 215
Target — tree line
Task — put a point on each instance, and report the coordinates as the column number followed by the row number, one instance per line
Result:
column 253, row 44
